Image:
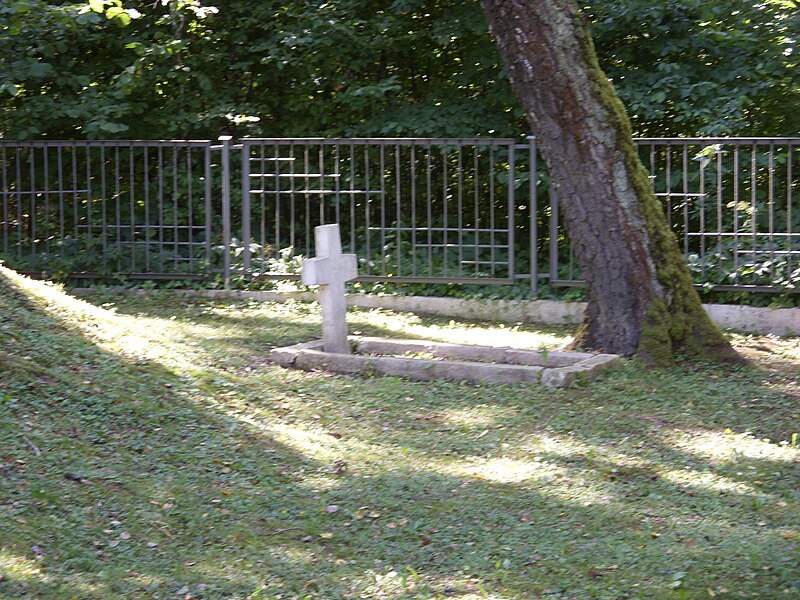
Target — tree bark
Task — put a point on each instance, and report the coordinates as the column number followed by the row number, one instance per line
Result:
column 640, row 292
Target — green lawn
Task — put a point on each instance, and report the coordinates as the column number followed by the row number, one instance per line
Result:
column 148, row 449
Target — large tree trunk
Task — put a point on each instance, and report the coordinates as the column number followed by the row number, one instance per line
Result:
column 641, row 298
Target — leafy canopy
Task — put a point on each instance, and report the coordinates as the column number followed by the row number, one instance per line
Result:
column 191, row 68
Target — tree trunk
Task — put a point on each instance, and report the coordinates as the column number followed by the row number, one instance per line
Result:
column 641, row 298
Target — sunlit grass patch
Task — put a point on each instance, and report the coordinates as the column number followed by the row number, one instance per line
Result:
column 459, row 332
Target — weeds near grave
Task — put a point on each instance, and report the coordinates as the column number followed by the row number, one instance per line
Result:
column 148, row 450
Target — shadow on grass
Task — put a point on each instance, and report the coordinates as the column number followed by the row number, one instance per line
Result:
column 118, row 480
column 447, row 489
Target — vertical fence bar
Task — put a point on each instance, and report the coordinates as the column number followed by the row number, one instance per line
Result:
column 117, row 204
column 668, row 182
column 276, row 172
column 789, row 224
column 754, row 200
column 208, row 208
column 653, row 171
column 262, row 204
column 367, row 200
column 771, row 208
column 292, row 203
column 75, row 216
column 352, row 193
column 533, row 214
column 429, row 206
column 32, row 202
column 89, row 198
column 46, row 152
column 194, row 255
column 337, row 183
column 132, row 194
column 492, row 221
column 60, row 168
column 476, row 206
column 398, row 211
column 19, row 189
column 321, row 183
column 33, row 194
column 190, row 255
column 382, row 179
column 685, row 168
column 702, row 227
column 512, row 181
column 736, row 214
column 104, row 207
column 309, row 225
column 226, row 209
column 175, row 196
column 720, row 266
column 445, row 216
column 413, row 199
column 6, row 192
column 460, row 207
column 146, row 183
column 160, row 203
column 246, row 206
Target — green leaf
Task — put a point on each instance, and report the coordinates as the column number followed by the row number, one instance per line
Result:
column 39, row 69
column 97, row 5
column 11, row 89
column 112, row 127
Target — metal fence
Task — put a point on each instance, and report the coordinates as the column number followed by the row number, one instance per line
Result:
column 413, row 210
column 733, row 205
column 142, row 209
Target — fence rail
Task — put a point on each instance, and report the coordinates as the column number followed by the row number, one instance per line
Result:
column 460, row 210
column 732, row 204
column 108, row 207
column 434, row 209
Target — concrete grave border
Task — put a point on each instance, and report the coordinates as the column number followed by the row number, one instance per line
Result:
column 752, row 319
column 469, row 363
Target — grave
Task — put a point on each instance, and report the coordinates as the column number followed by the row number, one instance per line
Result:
column 330, row 270
column 416, row 359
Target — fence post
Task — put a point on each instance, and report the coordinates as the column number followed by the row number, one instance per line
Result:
column 208, row 202
column 533, row 210
column 246, row 233
column 512, row 184
column 226, row 208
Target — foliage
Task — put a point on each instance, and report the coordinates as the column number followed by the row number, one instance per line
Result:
column 150, row 450
column 693, row 67
column 186, row 68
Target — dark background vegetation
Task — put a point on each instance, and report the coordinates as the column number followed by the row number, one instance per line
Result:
column 189, row 69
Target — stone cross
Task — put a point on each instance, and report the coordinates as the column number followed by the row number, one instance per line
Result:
column 329, row 270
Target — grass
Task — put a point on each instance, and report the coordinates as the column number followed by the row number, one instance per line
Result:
column 149, row 450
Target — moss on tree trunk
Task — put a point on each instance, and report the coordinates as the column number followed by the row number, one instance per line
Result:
column 641, row 297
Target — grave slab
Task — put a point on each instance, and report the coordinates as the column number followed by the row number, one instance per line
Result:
column 415, row 359
column 454, row 362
